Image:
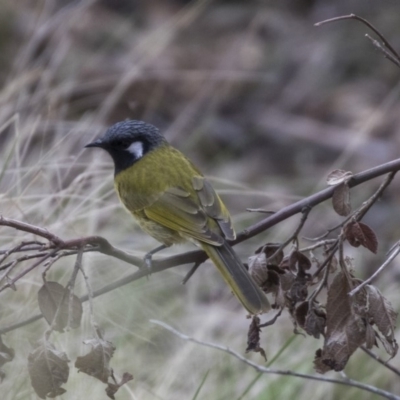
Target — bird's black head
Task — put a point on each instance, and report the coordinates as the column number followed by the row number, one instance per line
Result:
column 128, row 141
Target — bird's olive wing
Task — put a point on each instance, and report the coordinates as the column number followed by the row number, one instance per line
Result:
column 213, row 206
column 177, row 210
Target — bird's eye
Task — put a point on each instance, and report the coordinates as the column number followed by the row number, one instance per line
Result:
column 121, row 143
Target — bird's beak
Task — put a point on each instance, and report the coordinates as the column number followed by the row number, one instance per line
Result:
column 96, row 143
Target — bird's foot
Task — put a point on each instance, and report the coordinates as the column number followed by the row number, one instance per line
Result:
column 148, row 258
column 148, row 262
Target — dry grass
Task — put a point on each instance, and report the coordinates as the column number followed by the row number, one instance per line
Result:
column 207, row 74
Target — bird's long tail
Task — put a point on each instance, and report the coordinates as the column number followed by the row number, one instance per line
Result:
column 237, row 277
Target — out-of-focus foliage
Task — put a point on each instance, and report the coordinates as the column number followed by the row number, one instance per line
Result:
column 256, row 96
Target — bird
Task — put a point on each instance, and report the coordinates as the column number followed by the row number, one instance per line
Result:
column 173, row 202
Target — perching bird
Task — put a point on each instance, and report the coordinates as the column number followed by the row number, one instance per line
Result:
column 173, row 202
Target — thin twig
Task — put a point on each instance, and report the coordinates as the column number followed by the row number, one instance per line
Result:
column 272, row 320
column 380, row 361
column 71, row 284
column 382, row 49
column 266, row 370
column 90, row 297
column 292, row 237
column 11, row 282
column 314, row 200
column 392, row 256
column 365, row 207
column 35, row 230
column 190, row 273
column 365, row 22
column 314, row 246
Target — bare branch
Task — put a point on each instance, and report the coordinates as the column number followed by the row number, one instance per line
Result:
column 391, row 53
column 392, row 256
column 313, row 200
column 99, row 244
column 266, row 370
column 380, row 361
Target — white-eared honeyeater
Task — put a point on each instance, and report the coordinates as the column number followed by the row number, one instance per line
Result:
column 173, row 202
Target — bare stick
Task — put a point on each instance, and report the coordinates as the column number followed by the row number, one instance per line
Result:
column 266, row 370
column 385, row 52
column 380, row 361
column 292, row 237
column 365, row 22
column 90, row 298
column 392, row 256
column 192, row 256
column 71, row 284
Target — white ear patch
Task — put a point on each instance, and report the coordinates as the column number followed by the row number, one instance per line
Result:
column 136, row 149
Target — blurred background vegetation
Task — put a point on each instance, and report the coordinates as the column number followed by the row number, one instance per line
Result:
column 264, row 102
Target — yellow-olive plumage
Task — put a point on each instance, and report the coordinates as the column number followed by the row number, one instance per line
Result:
column 173, row 202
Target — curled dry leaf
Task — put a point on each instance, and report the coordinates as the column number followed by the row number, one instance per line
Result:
column 315, row 322
column 345, row 330
column 112, row 388
column 300, row 313
column 48, row 369
column 97, row 362
column 383, row 315
column 59, row 307
column 269, row 250
column 258, row 268
column 299, row 262
column 312, row 320
column 298, row 291
column 358, row 233
column 253, row 338
column 338, row 176
column 341, row 199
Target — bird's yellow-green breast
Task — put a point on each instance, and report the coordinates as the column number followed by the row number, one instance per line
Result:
column 141, row 184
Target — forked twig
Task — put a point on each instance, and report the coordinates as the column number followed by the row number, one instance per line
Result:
column 387, row 49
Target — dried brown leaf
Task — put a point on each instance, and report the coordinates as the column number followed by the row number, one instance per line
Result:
column 298, row 291
column 319, row 363
column 97, row 362
column 58, row 307
column 383, row 315
column 370, row 239
column 345, row 330
column 338, row 176
column 358, row 233
column 112, row 388
column 341, row 200
column 258, row 268
column 269, row 250
column 286, row 280
column 301, row 313
column 370, row 337
column 299, row 262
column 48, row 369
column 271, row 285
column 315, row 322
column 253, row 337
column 312, row 320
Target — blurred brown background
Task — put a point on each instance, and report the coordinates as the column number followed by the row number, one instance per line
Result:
column 264, row 102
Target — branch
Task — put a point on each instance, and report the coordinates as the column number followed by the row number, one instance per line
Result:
column 392, row 256
column 315, row 199
column 99, row 244
column 266, row 370
column 388, row 51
